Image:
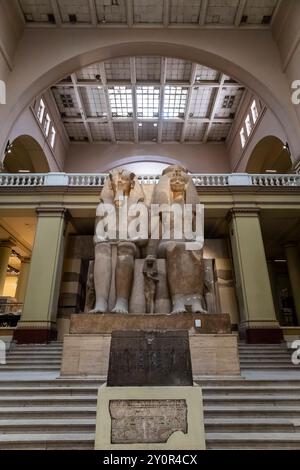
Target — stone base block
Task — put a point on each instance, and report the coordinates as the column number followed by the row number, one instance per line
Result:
column 211, row 355
column 108, row 322
column 34, row 335
column 215, row 355
column 261, row 332
column 147, row 418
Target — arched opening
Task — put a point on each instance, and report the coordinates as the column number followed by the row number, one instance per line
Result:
column 270, row 155
column 25, row 154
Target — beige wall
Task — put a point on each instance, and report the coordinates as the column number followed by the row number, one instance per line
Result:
column 92, row 158
column 28, row 125
column 267, row 125
column 286, row 31
column 11, row 29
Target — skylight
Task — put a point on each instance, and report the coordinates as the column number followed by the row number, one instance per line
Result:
column 120, row 98
column 175, row 101
column 147, row 98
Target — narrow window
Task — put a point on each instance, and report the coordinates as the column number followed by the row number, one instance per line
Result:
column 41, row 111
column 243, row 138
column 47, row 125
column 248, row 125
column 52, row 137
column 254, row 111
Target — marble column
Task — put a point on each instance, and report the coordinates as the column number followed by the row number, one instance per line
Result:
column 258, row 319
column 5, row 252
column 23, row 279
column 293, row 263
column 38, row 320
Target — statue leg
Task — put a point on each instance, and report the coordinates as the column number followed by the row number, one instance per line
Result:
column 102, row 276
column 185, row 277
column 124, row 276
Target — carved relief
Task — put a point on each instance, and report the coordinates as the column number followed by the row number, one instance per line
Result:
column 146, row 421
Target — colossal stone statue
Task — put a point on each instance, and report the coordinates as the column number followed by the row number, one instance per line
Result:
column 121, row 186
column 184, row 257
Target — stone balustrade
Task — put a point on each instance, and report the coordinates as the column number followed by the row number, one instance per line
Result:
column 11, row 180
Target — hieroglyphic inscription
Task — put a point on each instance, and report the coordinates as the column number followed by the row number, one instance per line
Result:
column 146, row 421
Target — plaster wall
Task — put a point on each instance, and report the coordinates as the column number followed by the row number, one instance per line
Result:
column 93, row 158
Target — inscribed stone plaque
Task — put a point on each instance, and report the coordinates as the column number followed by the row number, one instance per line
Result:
column 146, row 421
column 141, row 358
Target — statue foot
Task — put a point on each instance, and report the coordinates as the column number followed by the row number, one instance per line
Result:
column 100, row 307
column 121, row 306
column 178, row 306
column 197, row 306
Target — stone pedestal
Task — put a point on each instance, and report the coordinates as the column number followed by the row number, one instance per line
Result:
column 144, row 418
column 212, row 355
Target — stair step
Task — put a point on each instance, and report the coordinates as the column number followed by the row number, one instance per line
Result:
column 250, row 425
column 18, row 412
column 49, row 400
column 48, row 425
column 251, row 411
column 30, row 441
column 260, row 441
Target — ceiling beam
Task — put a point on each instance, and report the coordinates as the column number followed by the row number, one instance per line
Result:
column 163, row 75
column 130, row 13
column 81, row 107
column 188, row 103
column 134, row 100
column 106, row 94
column 166, row 13
column 214, row 107
column 240, row 12
column 93, row 11
column 203, row 12
column 56, row 12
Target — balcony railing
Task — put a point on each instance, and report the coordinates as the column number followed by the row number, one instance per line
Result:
column 80, row 180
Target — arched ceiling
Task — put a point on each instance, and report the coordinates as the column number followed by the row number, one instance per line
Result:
column 148, row 99
column 178, row 13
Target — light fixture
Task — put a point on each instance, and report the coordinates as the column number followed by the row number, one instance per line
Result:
column 155, row 124
column 140, row 124
column 8, row 148
column 287, row 147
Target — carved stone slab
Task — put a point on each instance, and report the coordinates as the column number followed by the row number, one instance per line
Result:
column 146, row 421
column 108, row 322
column 141, row 358
column 147, row 418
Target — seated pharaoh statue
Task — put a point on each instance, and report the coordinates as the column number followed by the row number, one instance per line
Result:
column 114, row 251
column 183, row 249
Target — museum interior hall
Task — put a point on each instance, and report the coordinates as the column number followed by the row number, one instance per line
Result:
column 185, row 102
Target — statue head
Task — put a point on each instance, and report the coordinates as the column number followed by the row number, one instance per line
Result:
column 119, row 185
column 175, row 183
column 150, row 260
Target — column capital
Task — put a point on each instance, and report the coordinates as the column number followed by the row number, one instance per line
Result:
column 52, row 212
column 9, row 243
column 243, row 212
column 25, row 260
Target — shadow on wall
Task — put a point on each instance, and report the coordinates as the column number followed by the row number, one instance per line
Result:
column 270, row 154
column 25, row 154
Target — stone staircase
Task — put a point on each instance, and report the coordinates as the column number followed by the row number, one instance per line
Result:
column 33, row 358
column 266, row 357
column 253, row 412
